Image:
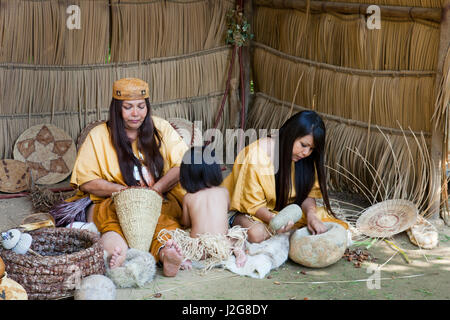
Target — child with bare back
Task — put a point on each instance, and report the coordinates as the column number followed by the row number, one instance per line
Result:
column 206, row 204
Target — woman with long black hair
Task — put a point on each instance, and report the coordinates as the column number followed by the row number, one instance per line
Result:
column 276, row 171
column 133, row 148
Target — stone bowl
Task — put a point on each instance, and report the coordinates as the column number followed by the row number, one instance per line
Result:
column 318, row 251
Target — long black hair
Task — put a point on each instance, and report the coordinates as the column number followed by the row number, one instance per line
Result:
column 148, row 142
column 199, row 171
column 299, row 125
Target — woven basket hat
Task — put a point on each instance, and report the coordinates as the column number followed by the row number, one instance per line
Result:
column 190, row 133
column 387, row 218
column 14, row 176
column 48, row 150
column 138, row 210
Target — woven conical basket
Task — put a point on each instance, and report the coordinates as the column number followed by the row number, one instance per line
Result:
column 138, row 210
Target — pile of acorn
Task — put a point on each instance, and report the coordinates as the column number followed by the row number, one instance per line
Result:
column 357, row 256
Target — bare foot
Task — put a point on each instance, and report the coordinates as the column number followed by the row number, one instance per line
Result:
column 186, row 265
column 117, row 258
column 241, row 257
column 171, row 258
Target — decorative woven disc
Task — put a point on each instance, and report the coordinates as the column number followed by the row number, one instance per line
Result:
column 190, row 133
column 387, row 218
column 49, row 152
column 83, row 134
column 14, row 176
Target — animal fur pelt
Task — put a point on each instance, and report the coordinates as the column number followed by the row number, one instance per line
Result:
column 262, row 257
column 138, row 269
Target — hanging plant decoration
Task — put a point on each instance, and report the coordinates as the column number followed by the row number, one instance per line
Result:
column 238, row 32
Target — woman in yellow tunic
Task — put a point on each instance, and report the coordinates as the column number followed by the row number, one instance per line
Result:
column 276, row 171
column 133, row 148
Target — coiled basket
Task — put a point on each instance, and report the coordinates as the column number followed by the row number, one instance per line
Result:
column 67, row 256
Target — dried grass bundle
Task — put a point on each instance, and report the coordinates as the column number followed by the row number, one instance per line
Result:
column 344, row 40
column 177, row 27
column 414, row 3
column 66, row 213
column 43, row 199
column 38, row 89
column 37, row 32
column 348, row 93
column 211, row 249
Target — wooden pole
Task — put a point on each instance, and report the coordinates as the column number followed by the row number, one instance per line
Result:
column 246, row 59
column 432, row 14
column 438, row 146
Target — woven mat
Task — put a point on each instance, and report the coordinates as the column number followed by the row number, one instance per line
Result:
column 49, row 151
column 14, row 176
column 190, row 133
column 83, row 134
column 387, row 218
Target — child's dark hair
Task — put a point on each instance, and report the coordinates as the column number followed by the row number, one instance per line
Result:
column 199, row 171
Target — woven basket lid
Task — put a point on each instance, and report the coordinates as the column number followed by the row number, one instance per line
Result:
column 138, row 210
column 83, row 134
column 49, row 152
column 14, row 176
column 190, row 133
column 387, row 218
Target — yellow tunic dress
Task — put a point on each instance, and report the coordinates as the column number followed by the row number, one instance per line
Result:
column 97, row 159
column 251, row 185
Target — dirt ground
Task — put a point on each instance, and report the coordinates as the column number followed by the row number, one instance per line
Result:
column 426, row 277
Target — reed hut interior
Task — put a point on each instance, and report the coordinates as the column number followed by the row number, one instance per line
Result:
column 383, row 90
column 376, row 71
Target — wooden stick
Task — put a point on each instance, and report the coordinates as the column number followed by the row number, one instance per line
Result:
column 346, row 121
column 438, row 147
column 432, row 14
column 34, row 253
column 399, row 250
column 363, row 72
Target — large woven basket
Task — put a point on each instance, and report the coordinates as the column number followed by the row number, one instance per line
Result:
column 68, row 255
column 138, row 210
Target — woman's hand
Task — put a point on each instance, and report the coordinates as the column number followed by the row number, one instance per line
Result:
column 286, row 228
column 101, row 188
column 266, row 216
column 168, row 181
column 314, row 225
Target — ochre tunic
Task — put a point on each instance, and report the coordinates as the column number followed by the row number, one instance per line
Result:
column 251, row 185
column 97, row 159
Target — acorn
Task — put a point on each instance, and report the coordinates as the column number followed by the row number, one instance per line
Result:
column 10, row 238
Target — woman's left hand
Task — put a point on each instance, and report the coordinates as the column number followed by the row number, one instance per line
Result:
column 314, row 225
